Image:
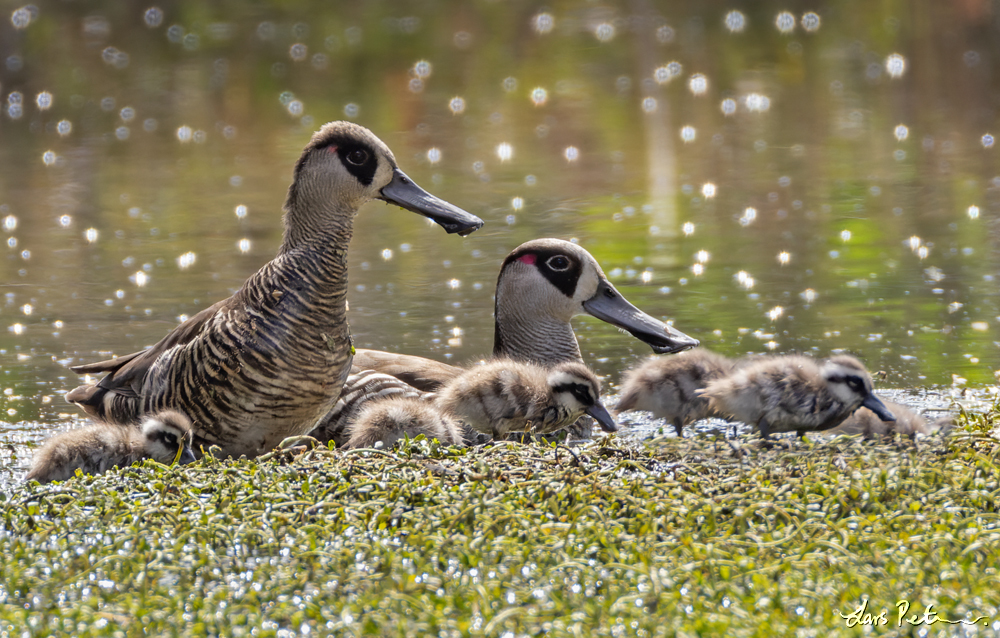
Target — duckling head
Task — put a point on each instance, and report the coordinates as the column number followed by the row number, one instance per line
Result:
column 165, row 433
column 852, row 385
column 578, row 390
column 343, row 167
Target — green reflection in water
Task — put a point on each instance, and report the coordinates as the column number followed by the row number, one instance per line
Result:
column 820, row 160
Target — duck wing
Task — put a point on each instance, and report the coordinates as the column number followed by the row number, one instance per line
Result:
column 423, row 374
column 127, row 373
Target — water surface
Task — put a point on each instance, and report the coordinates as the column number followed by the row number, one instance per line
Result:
column 815, row 178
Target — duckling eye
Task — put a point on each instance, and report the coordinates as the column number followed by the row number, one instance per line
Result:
column 558, row 263
column 357, row 157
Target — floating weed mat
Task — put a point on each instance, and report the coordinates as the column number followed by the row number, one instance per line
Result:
column 670, row 537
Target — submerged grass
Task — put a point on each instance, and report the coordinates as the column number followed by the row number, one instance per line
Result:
column 667, row 537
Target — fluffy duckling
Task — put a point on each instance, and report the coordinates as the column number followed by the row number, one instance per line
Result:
column 668, row 386
column 97, row 448
column 388, row 420
column 362, row 388
column 268, row 362
column 868, row 424
column 795, row 393
column 504, row 396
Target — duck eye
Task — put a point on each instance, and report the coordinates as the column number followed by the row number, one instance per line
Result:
column 357, row 157
column 558, row 263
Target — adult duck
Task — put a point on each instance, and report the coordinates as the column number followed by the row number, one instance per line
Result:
column 268, row 362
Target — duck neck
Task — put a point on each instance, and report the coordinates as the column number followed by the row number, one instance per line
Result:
column 315, row 227
column 526, row 333
column 309, row 275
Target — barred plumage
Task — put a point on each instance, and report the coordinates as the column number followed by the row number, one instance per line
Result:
column 668, row 386
column 795, row 393
column 97, row 448
column 268, row 362
column 542, row 285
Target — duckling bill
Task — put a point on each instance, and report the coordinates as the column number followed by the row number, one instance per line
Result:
column 868, row 424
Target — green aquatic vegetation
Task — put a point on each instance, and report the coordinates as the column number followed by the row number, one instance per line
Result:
column 667, row 537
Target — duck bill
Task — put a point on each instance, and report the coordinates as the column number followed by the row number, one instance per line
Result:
column 187, row 456
column 609, row 305
column 603, row 417
column 403, row 192
column 872, row 403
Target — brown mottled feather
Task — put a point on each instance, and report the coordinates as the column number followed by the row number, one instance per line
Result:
column 668, row 386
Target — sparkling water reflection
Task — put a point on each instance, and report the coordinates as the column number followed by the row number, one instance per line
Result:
column 132, row 136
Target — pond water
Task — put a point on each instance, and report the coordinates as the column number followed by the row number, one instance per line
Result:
column 770, row 180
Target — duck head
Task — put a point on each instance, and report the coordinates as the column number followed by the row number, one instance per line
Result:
column 344, row 166
column 556, row 280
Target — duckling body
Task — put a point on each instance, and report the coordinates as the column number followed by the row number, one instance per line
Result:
column 868, row 424
column 668, row 386
column 362, row 389
column 97, row 448
column 542, row 285
column 389, row 420
column 795, row 393
column 268, row 362
column 504, row 396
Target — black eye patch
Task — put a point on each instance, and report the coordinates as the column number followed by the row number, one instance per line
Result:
column 562, row 271
column 359, row 160
column 579, row 391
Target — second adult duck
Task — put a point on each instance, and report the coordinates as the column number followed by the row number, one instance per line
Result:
column 542, row 285
column 269, row 361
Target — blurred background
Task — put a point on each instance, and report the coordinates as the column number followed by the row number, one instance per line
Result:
column 769, row 176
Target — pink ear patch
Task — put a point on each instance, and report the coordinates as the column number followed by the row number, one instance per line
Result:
column 331, row 149
column 529, row 258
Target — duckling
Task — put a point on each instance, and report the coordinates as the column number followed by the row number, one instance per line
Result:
column 868, row 424
column 504, row 396
column 388, row 420
column 97, row 448
column 362, row 389
column 270, row 361
column 667, row 386
column 795, row 393
column 542, row 285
